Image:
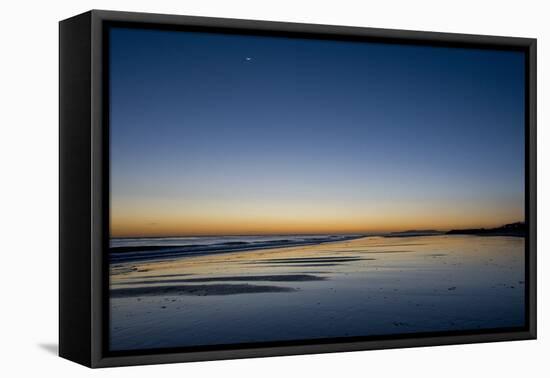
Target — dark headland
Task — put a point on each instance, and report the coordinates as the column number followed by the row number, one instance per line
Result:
column 512, row 229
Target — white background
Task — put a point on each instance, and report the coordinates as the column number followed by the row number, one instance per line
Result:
column 29, row 188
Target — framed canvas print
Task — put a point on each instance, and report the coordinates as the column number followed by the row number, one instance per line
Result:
column 233, row 188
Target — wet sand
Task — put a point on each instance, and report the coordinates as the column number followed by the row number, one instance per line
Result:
column 361, row 287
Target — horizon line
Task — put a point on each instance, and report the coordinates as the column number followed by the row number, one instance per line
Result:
column 366, row 233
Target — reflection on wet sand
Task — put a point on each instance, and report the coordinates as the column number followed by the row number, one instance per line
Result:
column 367, row 286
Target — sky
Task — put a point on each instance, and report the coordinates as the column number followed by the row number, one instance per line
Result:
column 218, row 134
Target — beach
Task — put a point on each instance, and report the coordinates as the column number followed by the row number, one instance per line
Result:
column 335, row 286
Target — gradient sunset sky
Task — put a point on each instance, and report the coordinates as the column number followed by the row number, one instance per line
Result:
column 229, row 134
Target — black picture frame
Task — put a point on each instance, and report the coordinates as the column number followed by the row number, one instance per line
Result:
column 84, row 190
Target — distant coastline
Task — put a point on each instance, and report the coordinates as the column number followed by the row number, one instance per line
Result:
column 517, row 229
column 411, row 233
column 512, row 229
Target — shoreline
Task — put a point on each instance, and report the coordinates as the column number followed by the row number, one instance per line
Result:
column 124, row 254
column 136, row 253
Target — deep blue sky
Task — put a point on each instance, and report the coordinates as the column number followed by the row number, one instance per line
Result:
column 310, row 134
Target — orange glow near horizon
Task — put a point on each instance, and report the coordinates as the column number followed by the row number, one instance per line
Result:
column 255, row 219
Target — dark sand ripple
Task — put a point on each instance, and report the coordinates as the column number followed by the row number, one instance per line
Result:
column 367, row 251
column 299, row 265
column 272, row 278
column 158, row 276
column 198, row 290
column 309, row 260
